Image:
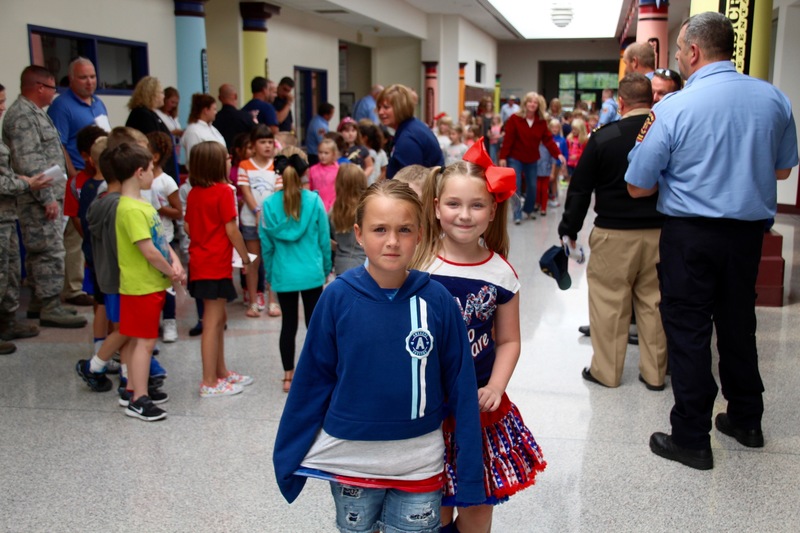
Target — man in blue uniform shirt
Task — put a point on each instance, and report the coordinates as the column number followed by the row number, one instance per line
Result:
column 609, row 112
column 316, row 130
column 715, row 171
column 366, row 106
column 260, row 106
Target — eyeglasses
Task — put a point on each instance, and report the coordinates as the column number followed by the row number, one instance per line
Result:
column 46, row 85
column 667, row 73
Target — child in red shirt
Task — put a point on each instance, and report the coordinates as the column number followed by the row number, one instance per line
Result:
column 211, row 223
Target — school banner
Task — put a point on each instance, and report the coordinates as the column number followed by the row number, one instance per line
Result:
column 752, row 25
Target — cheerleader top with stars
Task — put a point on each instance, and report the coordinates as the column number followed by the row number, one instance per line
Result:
column 478, row 288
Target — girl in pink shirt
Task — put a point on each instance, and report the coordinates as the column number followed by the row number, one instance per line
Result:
column 322, row 176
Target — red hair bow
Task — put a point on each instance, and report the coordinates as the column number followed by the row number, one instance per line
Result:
column 500, row 181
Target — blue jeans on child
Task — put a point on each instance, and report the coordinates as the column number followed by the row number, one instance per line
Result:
column 361, row 510
column 494, row 150
column 530, row 171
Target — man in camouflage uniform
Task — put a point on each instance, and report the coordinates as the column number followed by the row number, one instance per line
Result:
column 10, row 187
column 35, row 146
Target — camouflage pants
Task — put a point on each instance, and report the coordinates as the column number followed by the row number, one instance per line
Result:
column 44, row 248
column 9, row 268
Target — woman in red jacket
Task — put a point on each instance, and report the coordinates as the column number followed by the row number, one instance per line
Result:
column 523, row 133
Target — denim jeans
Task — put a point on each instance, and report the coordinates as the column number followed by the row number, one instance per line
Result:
column 392, row 511
column 529, row 170
column 494, row 150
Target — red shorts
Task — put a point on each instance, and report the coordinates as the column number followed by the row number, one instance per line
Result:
column 139, row 316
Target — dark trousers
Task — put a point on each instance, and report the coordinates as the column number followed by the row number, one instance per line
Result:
column 707, row 276
column 289, row 315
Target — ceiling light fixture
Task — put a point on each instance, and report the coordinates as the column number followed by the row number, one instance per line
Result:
column 561, row 13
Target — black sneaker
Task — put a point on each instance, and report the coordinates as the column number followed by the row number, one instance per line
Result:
column 156, row 396
column 113, row 367
column 196, row 330
column 97, row 381
column 144, row 409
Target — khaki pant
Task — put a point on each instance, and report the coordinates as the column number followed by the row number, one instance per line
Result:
column 73, row 262
column 621, row 270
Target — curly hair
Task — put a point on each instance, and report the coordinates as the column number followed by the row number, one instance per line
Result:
column 160, row 145
column 541, row 111
column 145, row 94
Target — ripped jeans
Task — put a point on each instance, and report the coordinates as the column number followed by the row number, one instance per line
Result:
column 361, row 510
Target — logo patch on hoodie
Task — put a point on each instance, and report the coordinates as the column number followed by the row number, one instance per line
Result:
column 419, row 343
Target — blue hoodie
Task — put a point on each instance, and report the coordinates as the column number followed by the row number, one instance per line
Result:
column 374, row 369
column 296, row 253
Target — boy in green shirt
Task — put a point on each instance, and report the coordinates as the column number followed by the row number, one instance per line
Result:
column 147, row 266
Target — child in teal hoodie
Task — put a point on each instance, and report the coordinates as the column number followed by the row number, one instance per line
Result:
column 295, row 248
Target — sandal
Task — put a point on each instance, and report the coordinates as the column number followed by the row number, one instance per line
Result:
column 253, row 311
column 274, row 309
column 287, row 382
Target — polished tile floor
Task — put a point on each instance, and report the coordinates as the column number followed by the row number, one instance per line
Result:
column 70, row 461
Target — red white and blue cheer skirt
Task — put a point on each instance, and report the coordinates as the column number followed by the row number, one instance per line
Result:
column 511, row 456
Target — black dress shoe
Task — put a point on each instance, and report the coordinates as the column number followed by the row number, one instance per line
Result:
column 584, row 330
column 652, row 387
column 662, row 445
column 587, row 375
column 752, row 438
column 633, row 338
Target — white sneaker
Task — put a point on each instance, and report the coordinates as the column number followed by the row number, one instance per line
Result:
column 553, row 203
column 236, row 378
column 170, row 330
column 223, row 388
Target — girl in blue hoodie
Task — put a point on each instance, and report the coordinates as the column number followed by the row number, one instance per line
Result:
column 295, row 248
column 386, row 346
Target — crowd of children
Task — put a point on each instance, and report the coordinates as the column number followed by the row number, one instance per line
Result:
column 425, row 252
column 569, row 129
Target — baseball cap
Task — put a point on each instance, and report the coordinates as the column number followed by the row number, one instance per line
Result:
column 346, row 121
column 554, row 263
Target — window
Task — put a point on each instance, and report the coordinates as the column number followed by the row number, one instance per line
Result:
column 119, row 64
column 584, row 86
column 480, row 70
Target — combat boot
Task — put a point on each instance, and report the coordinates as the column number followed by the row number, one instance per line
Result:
column 35, row 308
column 54, row 315
column 10, row 329
column 7, row 348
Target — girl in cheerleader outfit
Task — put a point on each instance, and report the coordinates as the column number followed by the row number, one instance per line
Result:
column 463, row 247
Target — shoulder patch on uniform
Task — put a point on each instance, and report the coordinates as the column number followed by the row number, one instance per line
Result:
column 646, row 127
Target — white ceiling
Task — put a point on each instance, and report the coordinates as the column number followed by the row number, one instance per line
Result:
column 479, row 12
